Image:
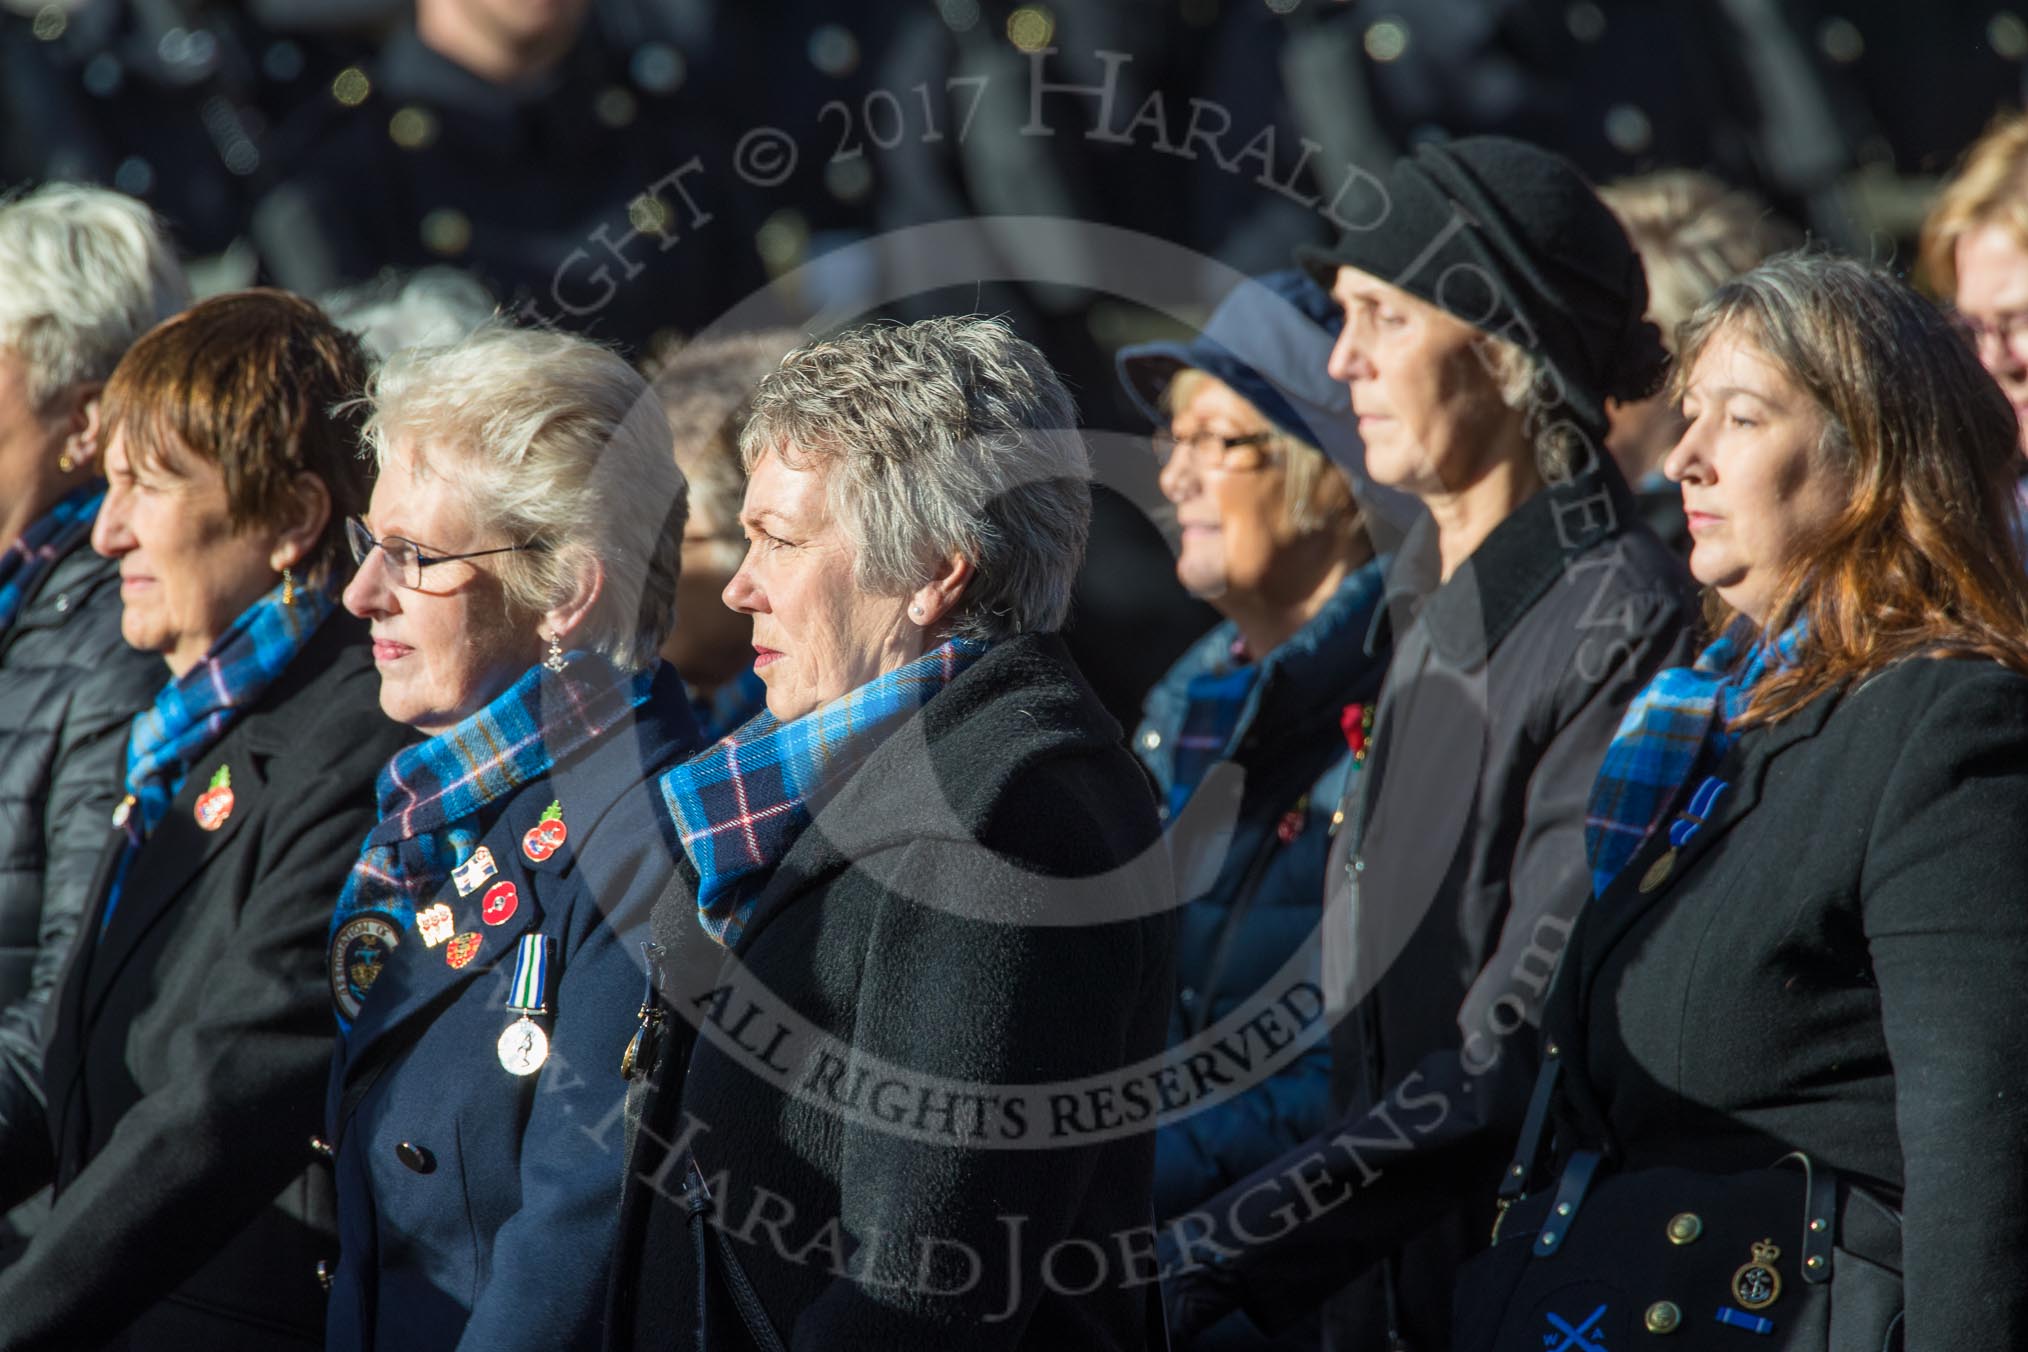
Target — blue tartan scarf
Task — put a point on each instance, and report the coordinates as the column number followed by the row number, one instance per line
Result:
column 194, row 710
column 738, row 807
column 1212, row 703
column 431, row 794
column 1681, row 721
column 48, row 538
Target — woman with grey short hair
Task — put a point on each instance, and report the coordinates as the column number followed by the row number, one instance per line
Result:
column 897, row 862
column 518, row 566
column 83, row 273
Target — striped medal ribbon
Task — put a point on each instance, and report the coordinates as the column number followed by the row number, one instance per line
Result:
column 524, row 1046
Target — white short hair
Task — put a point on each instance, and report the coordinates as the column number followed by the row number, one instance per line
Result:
column 83, row 272
column 945, row 436
column 561, row 443
column 430, row 307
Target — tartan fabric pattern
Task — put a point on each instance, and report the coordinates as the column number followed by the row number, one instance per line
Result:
column 431, row 794
column 48, row 538
column 738, row 807
column 194, row 710
column 1682, row 720
column 1213, row 703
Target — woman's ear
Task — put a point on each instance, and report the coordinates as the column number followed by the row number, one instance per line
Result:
column 939, row 596
column 305, row 515
column 568, row 617
column 81, row 423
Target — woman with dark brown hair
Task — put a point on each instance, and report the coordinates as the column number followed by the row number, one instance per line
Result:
column 191, row 1038
column 1780, row 1065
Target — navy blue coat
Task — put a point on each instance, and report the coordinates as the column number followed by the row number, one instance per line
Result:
column 476, row 1208
column 1267, row 896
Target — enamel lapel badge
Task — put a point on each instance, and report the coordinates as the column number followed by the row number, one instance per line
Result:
column 214, row 805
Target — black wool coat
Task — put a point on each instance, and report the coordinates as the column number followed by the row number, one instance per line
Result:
column 1450, row 894
column 973, row 924
column 1835, row 964
column 190, row 1041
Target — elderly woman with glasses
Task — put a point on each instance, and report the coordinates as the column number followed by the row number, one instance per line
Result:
column 518, row 567
column 1273, row 538
column 916, row 959
column 189, row 1045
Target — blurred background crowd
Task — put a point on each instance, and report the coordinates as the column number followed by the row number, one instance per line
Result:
column 317, row 144
column 700, row 188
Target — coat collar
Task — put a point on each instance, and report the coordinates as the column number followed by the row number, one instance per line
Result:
column 1333, row 659
column 1744, row 771
column 180, row 849
column 410, row 70
column 1609, row 919
column 1468, row 614
column 419, row 978
column 942, row 773
column 64, row 593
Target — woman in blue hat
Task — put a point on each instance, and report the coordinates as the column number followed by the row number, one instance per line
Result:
column 1273, row 538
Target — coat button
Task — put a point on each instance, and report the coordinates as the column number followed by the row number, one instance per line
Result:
column 1188, row 995
column 1684, row 1227
column 321, row 1148
column 324, row 1273
column 1662, row 1317
column 415, row 1157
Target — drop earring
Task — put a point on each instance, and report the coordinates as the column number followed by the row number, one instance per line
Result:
column 288, row 588
column 555, row 659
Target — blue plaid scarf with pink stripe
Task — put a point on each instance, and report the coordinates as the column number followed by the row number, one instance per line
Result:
column 738, row 807
column 1679, row 724
column 193, row 711
column 48, row 538
column 432, row 794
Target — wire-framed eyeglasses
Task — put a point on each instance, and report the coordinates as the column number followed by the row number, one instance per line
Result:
column 1214, row 453
column 405, row 558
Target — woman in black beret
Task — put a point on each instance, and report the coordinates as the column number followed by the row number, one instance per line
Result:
column 1489, row 315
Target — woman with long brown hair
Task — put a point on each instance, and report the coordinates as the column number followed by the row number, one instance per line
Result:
column 1779, row 1058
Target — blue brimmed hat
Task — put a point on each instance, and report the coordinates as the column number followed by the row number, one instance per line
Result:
column 1269, row 340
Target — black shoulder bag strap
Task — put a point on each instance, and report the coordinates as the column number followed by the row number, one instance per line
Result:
column 707, row 1238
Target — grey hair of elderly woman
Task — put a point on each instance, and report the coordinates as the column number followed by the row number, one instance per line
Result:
column 948, row 436
column 561, row 443
column 86, row 271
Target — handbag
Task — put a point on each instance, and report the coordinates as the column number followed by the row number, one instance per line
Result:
column 1787, row 1257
